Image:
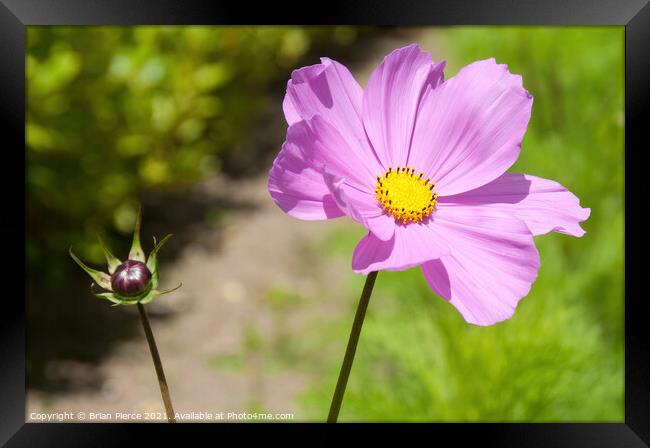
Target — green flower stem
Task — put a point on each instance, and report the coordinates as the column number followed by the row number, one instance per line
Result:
column 164, row 390
column 344, row 374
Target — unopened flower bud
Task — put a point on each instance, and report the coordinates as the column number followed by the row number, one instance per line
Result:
column 131, row 282
column 131, row 278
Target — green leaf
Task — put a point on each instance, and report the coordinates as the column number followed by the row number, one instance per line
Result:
column 136, row 253
column 152, row 262
column 112, row 260
column 101, row 278
column 154, row 293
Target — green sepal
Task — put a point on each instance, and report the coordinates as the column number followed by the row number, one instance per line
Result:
column 108, row 296
column 112, row 260
column 101, row 278
column 136, row 253
column 126, row 302
column 118, row 299
column 155, row 293
column 152, row 263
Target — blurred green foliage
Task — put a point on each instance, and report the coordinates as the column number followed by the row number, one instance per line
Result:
column 117, row 114
column 560, row 358
column 114, row 112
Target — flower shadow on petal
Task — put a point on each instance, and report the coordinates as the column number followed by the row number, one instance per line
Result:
column 371, row 250
column 410, row 246
column 543, row 204
column 329, row 207
column 439, row 279
column 298, row 189
column 321, row 89
column 519, row 188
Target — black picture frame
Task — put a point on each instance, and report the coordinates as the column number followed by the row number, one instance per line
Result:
column 15, row 15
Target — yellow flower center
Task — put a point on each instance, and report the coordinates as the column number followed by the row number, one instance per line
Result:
column 407, row 196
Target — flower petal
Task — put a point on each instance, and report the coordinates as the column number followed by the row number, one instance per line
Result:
column 326, row 150
column 361, row 206
column 469, row 129
column 411, row 245
column 544, row 205
column 492, row 265
column 391, row 99
column 329, row 90
column 298, row 188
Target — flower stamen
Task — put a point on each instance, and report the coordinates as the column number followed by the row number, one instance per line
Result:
column 406, row 196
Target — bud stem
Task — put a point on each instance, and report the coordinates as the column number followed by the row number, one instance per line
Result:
column 164, row 390
column 342, row 382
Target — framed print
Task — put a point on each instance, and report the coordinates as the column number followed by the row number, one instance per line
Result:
column 401, row 213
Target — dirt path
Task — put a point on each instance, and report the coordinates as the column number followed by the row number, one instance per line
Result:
column 212, row 332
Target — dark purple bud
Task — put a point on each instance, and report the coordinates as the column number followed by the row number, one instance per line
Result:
column 131, row 278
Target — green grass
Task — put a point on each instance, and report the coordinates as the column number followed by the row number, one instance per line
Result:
column 560, row 358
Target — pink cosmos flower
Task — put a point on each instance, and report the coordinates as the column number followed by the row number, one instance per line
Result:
column 421, row 163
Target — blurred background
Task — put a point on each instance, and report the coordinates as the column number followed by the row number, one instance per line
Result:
column 187, row 121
